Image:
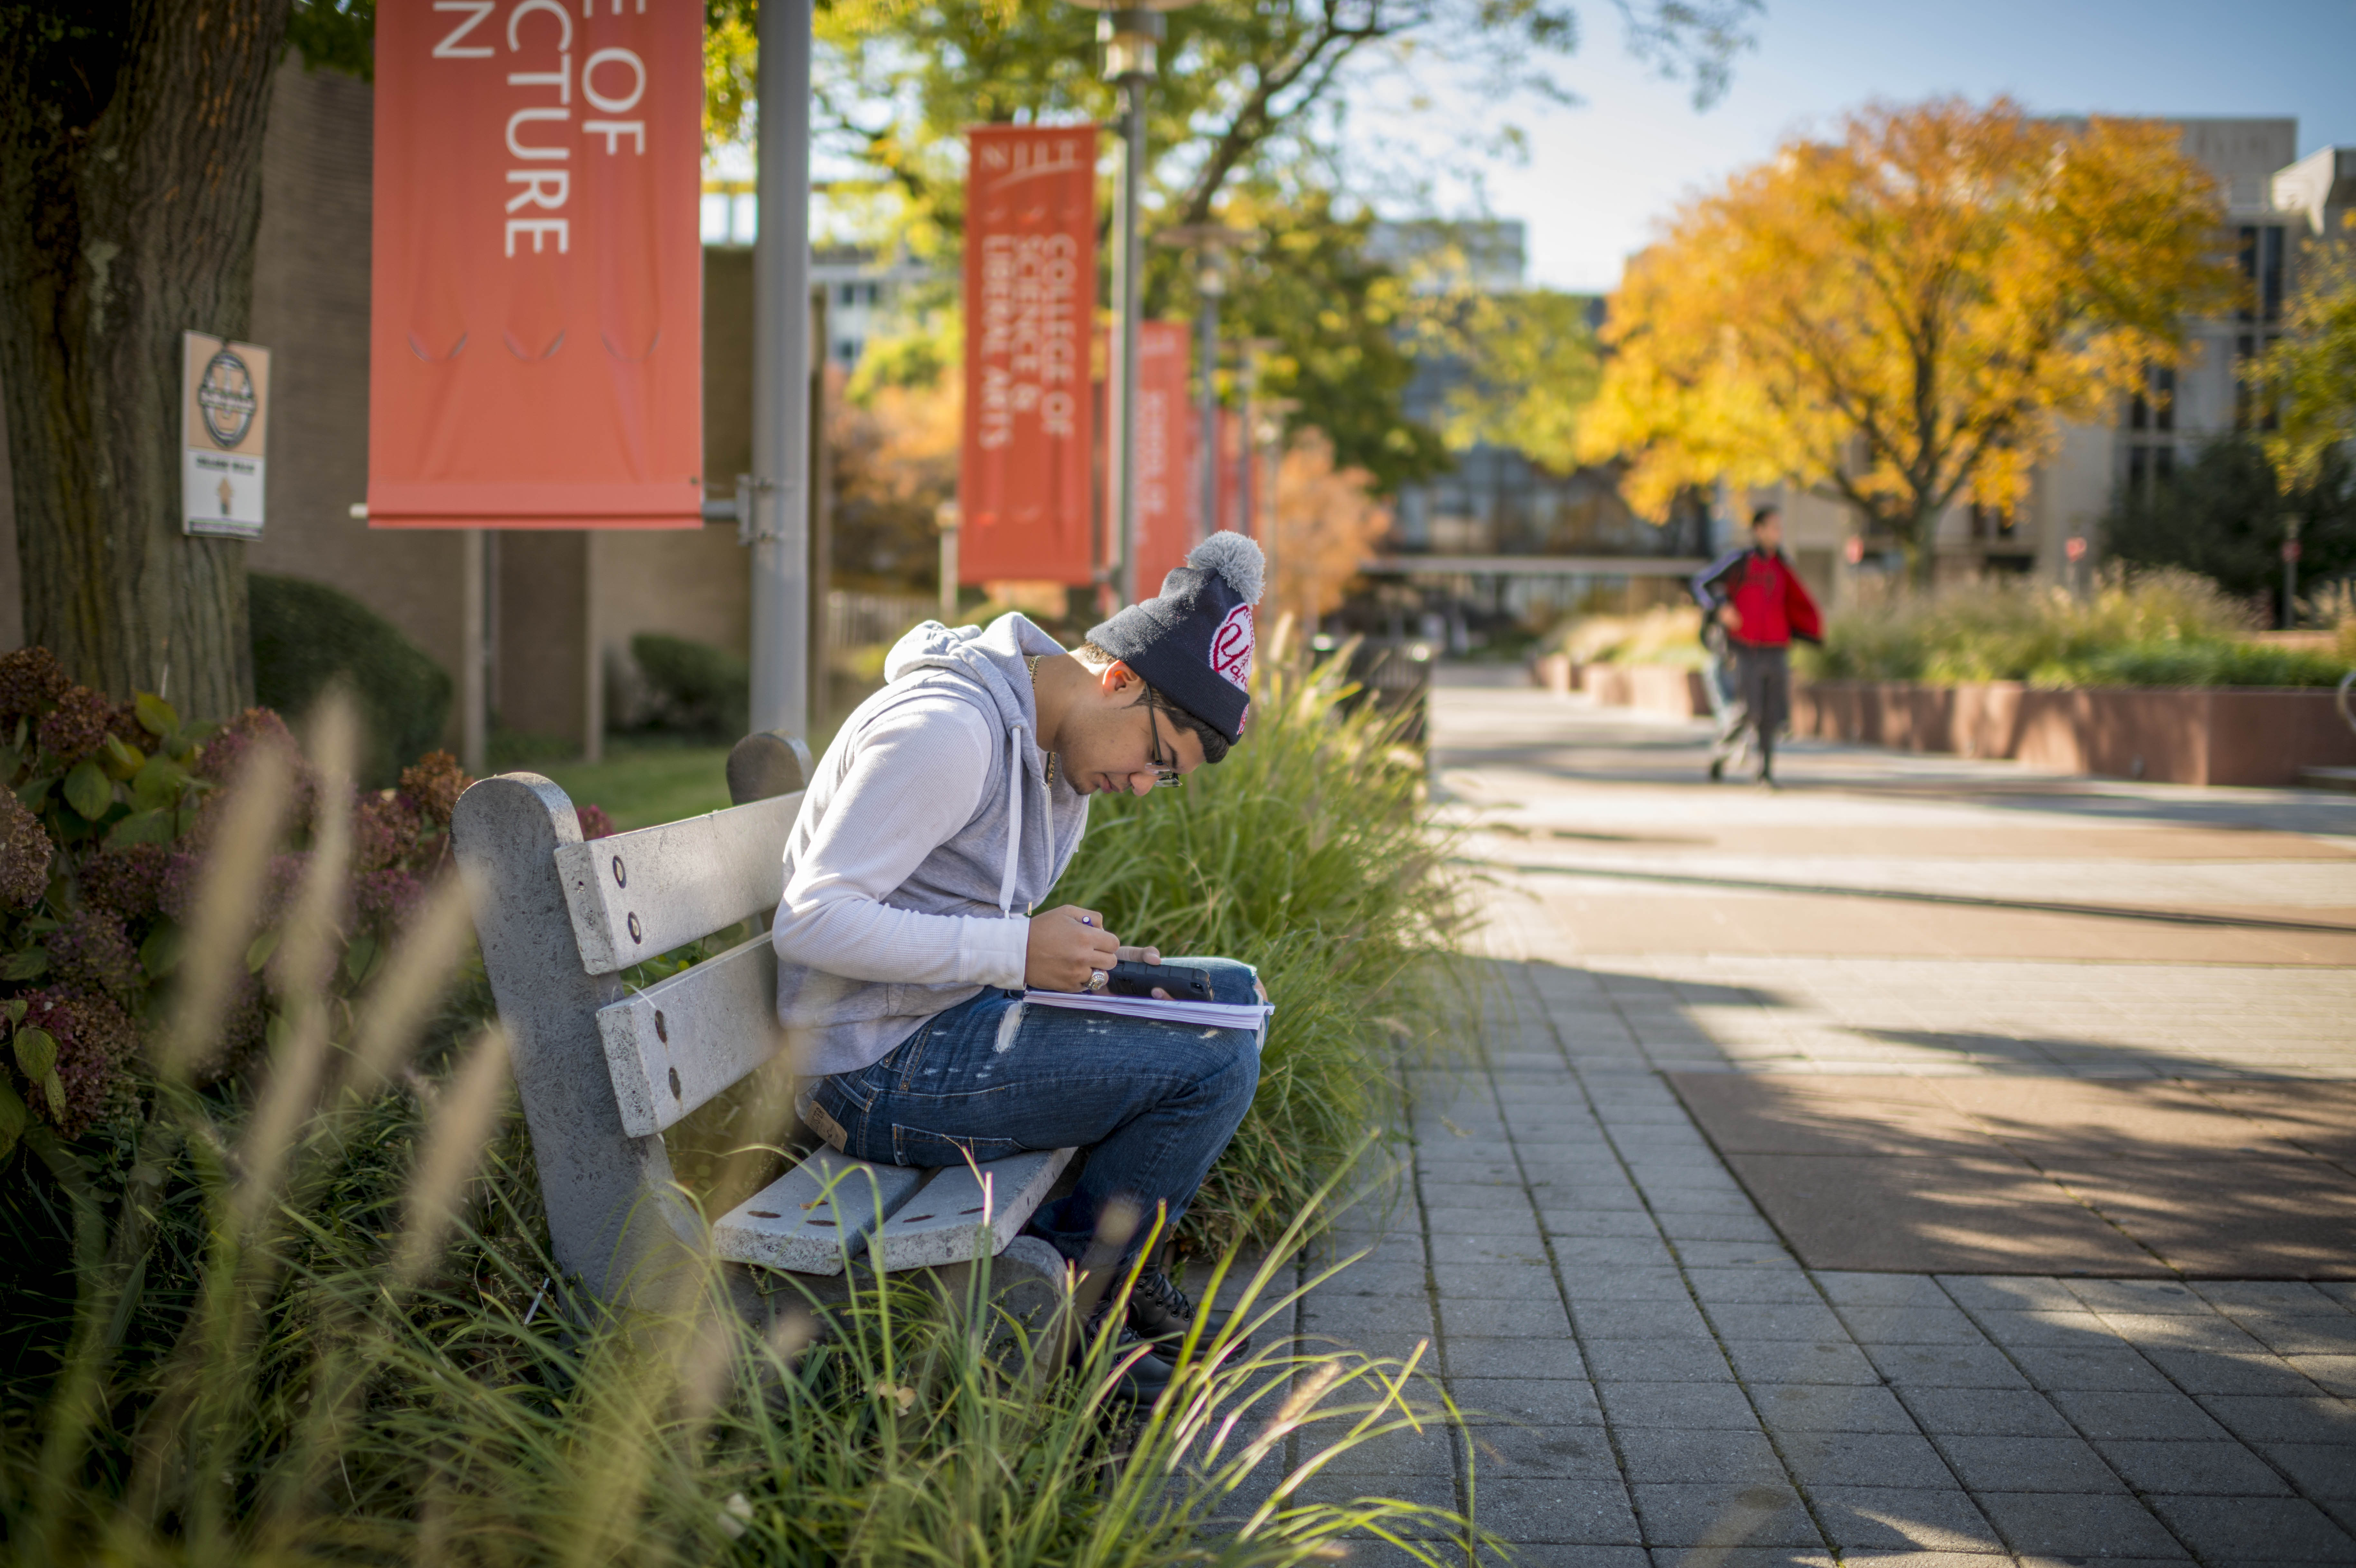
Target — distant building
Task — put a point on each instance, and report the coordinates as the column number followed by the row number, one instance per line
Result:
column 2274, row 209
column 1499, row 531
column 866, row 291
column 867, row 294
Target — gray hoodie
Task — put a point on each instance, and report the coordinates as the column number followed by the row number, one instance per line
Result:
column 855, row 979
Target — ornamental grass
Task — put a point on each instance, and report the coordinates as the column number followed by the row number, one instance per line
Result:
column 301, row 1310
column 2163, row 627
column 1309, row 853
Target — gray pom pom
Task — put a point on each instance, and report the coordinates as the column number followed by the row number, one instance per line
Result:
column 1235, row 557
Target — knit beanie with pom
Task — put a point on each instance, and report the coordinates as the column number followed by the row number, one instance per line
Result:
column 1192, row 642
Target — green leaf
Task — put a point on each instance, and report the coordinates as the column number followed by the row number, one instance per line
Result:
column 160, row 953
column 156, row 716
column 258, row 952
column 34, row 793
column 88, row 790
column 24, row 964
column 360, row 958
column 140, row 827
column 13, row 1116
column 122, row 761
column 14, row 1009
column 159, row 782
column 55, row 1087
column 37, row 1053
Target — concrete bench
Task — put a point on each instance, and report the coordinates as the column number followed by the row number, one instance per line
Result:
column 605, row 1068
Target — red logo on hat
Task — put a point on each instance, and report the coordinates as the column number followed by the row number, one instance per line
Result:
column 1231, row 647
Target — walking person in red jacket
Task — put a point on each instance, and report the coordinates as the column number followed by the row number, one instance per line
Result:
column 1762, row 603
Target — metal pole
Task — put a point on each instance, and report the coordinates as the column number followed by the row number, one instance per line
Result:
column 781, row 362
column 1121, row 394
column 1209, row 354
column 822, row 514
column 947, row 516
column 474, row 677
column 2290, row 574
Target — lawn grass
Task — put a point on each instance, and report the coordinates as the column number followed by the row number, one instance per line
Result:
column 643, row 783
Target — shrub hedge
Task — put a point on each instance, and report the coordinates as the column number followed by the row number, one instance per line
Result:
column 307, row 634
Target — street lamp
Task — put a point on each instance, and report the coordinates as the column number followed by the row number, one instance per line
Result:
column 1211, row 242
column 1256, row 353
column 1131, row 35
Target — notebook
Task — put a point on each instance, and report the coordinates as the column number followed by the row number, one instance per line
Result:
column 1203, row 1015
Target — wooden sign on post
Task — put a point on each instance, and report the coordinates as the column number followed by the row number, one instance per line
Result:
column 1025, row 495
column 535, row 331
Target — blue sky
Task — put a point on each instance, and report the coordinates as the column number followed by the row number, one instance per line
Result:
column 1599, row 174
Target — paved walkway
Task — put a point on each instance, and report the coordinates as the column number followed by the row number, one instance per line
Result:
column 1659, row 1376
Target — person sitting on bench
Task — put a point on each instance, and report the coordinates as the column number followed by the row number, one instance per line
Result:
column 944, row 810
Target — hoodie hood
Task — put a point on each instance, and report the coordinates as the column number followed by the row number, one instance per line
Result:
column 989, row 663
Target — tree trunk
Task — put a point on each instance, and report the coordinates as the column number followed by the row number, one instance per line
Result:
column 130, row 190
column 1918, row 533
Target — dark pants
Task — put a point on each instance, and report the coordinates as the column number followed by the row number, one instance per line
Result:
column 1153, row 1103
column 1763, row 675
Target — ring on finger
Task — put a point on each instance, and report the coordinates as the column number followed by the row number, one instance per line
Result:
column 1097, row 981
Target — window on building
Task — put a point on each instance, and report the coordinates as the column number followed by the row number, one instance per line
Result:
column 846, row 293
column 2263, row 270
column 2153, row 406
column 846, row 349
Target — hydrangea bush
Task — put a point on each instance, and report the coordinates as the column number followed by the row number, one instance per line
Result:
column 105, row 818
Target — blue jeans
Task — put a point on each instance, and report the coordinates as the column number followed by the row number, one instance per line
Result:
column 1152, row 1103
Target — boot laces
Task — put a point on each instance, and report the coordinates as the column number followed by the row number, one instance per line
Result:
column 1162, row 1291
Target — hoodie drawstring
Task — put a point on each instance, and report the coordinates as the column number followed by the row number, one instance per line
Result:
column 1013, row 819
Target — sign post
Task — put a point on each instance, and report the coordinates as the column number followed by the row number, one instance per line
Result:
column 224, row 436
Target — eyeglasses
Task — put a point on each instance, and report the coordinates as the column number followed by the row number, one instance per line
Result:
column 1166, row 775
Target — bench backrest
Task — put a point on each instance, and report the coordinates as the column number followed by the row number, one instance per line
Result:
column 602, row 1069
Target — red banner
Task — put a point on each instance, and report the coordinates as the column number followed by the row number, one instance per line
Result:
column 535, row 353
column 1024, row 493
column 1169, row 455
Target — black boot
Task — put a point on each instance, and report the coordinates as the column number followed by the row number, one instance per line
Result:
column 1159, row 1312
column 1146, row 1378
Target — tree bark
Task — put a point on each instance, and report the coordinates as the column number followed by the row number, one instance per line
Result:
column 130, row 190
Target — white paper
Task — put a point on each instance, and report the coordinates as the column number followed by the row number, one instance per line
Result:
column 1202, row 1015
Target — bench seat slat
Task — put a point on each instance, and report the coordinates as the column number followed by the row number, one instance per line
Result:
column 907, row 1217
column 815, row 1215
column 678, row 1043
column 937, row 1226
column 634, row 895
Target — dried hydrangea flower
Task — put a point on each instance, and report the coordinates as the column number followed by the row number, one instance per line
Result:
column 434, row 784
column 25, row 854
column 30, row 680
column 89, row 951
column 95, row 1039
column 129, row 880
column 78, row 726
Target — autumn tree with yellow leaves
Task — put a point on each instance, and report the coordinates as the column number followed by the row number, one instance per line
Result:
column 1904, row 316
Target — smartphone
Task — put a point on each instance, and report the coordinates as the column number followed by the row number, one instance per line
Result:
column 1184, row 985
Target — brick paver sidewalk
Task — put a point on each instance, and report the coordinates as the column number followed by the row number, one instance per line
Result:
column 1658, row 1378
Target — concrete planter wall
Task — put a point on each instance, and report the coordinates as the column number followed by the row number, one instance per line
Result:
column 2195, row 735
column 1651, row 688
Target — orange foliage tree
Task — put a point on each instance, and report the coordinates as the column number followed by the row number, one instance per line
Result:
column 1326, row 522
column 1904, row 316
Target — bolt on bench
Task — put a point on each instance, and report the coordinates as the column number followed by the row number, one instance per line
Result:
column 605, row 1068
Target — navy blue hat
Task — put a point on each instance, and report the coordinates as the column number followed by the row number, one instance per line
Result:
column 1192, row 642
